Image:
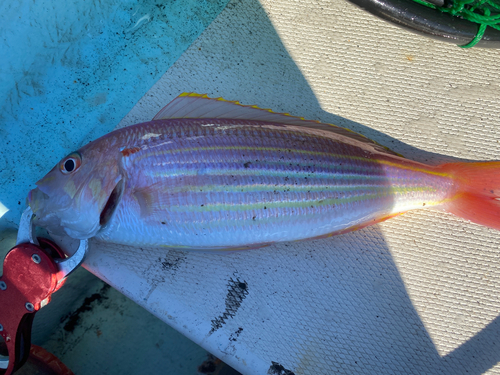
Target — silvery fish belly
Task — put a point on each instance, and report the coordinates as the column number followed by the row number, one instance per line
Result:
column 212, row 174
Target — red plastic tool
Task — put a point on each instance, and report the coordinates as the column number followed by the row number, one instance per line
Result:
column 32, row 271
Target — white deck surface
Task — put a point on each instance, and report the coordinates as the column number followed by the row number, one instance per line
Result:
column 417, row 294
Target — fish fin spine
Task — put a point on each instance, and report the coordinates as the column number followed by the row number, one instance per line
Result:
column 197, row 106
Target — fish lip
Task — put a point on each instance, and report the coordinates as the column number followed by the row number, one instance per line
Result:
column 43, row 215
column 36, row 205
column 112, row 203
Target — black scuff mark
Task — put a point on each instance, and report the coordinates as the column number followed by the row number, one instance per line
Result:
column 236, row 293
column 171, row 261
column 73, row 319
column 161, row 268
column 234, row 336
column 231, row 348
column 277, row 369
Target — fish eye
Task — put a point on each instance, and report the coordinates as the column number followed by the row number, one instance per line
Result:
column 70, row 163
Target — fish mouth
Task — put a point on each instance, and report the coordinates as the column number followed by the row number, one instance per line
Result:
column 37, row 200
column 112, row 203
column 43, row 213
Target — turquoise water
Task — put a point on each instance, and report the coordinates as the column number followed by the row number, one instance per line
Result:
column 70, row 71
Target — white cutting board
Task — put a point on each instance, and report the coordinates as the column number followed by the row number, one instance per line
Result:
column 417, row 294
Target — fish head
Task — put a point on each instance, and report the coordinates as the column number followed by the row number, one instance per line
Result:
column 79, row 195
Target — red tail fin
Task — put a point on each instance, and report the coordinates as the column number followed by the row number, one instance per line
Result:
column 478, row 192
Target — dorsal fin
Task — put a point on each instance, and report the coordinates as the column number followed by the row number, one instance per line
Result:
column 192, row 105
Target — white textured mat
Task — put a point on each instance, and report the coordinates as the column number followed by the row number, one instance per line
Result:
column 417, row 294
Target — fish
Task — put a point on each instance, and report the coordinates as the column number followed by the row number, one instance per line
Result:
column 212, row 174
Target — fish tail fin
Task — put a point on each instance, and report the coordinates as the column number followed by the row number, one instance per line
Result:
column 477, row 195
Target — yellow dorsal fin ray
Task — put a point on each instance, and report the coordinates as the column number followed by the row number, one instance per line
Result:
column 193, row 105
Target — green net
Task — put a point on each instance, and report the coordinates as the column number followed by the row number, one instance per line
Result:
column 486, row 13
